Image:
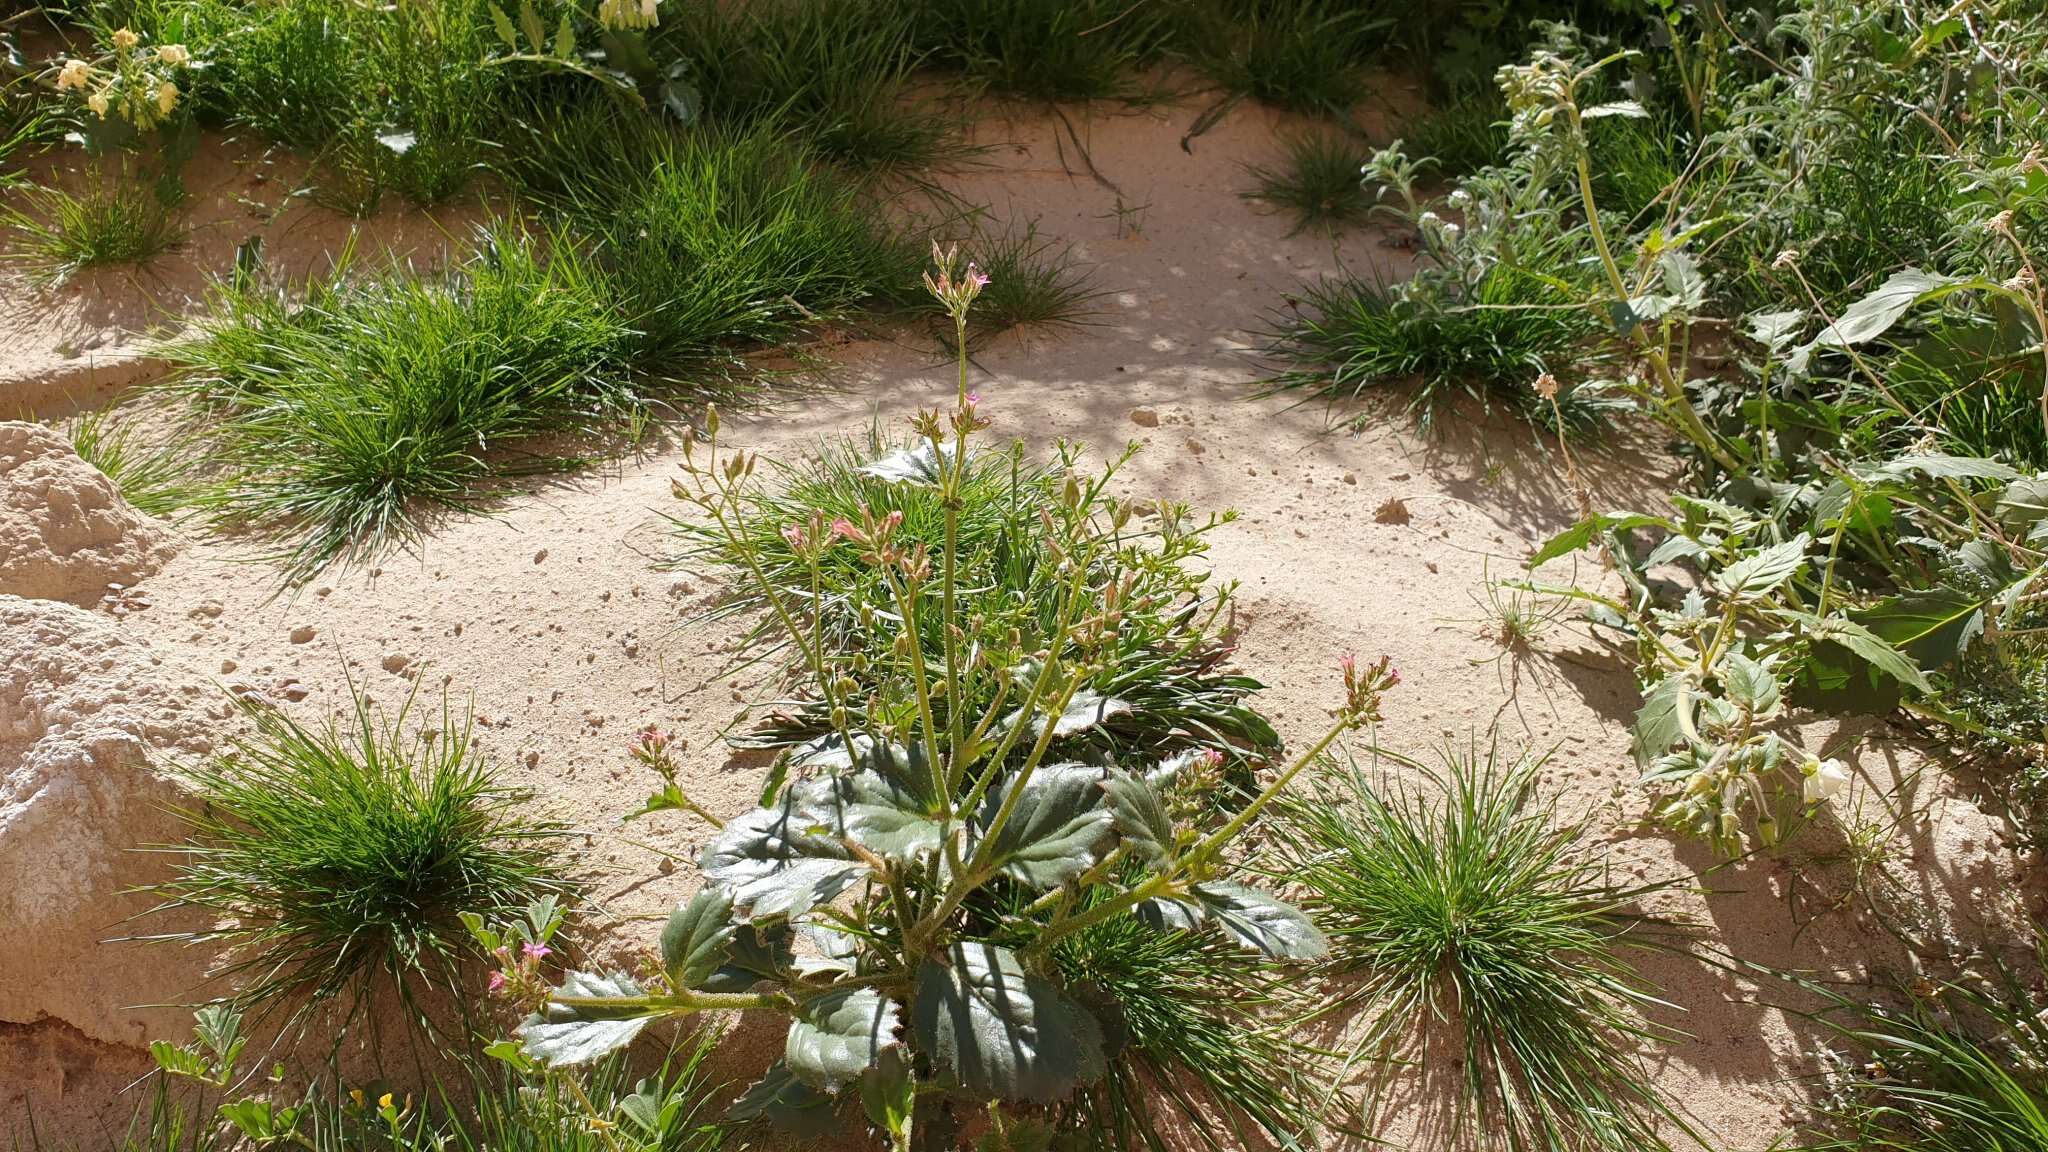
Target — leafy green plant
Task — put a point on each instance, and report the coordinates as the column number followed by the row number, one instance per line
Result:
column 350, row 414
column 1034, row 282
column 1467, row 918
column 1462, row 134
column 1306, row 56
column 1316, row 182
column 336, row 861
column 59, row 233
column 937, row 858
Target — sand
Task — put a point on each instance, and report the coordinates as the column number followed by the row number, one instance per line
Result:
column 552, row 620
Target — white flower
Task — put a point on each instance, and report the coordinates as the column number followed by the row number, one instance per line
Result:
column 98, row 103
column 166, row 98
column 1460, row 198
column 173, row 54
column 74, row 74
column 1824, row 779
column 124, row 39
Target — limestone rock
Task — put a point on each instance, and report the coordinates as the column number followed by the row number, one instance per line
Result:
column 65, row 531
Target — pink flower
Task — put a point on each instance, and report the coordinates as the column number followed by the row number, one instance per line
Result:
column 795, row 535
column 844, row 527
column 497, row 982
column 977, row 276
column 534, row 951
column 973, row 398
column 1349, row 663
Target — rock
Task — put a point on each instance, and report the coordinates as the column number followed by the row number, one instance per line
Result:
column 1144, row 417
column 91, row 722
column 303, row 634
column 1393, row 511
column 395, row 662
column 65, row 531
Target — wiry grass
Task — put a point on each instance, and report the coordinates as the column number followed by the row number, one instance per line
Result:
column 1467, row 131
column 1034, row 282
column 59, row 233
column 348, row 417
column 335, row 860
column 1349, row 336
column 156, row 478
column 1056, row 50
column 838, row 73
column 1305, row 56
column 1316, row 181
column 1467, row 920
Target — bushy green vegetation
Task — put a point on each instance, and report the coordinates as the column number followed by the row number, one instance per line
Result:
column 114, row 221
column 335, row 862
column 1316, row 182
column 1469, row 919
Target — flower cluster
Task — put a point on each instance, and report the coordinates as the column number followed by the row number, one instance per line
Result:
column 516, row 948
column 1365, row 688
column 953, row 285
column 628, row 15
column 133, row 83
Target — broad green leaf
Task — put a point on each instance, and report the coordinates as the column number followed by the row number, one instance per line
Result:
column 1874, row 314
column 1663, row 718
column 890, row 820
column 259, row 1120
column 840, row 1035
column 1140, row 815
column 1835, row 679
column 2023, row 504
column 694, row 942
column 1246, row 915
column 1941, row 467
column 918, row 464
column 756, row 953
column 1934, row 627
column 1761, row 572
column 1019, row 1134
column 1682, row 280
column 782, row 861
column 566, row 1035
column 1585, row 532
column 565, row 39
column 1873, row 650
column 1749, row 684
column 789, row 1104
column 1085, row 709
column 888, row 1092
column 1773, row 330
column 1059, row 825
column 999, row 1032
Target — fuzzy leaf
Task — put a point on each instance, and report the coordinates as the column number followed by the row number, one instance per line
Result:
column 1658, row 723
column 890, row 808
column 1059, row 824
column 1627, row 108
column 1000, row 1032
column 1085, row 709
column 1873, row 650
column 1582, row 534
column 1761, row 572
column 1139, row 812
column 1941, row 467
column 2024, row 503
column 789, row 1104
column 1247, row 915
column 1750, row 684
column 840, row 1035
column 781, row 861
column 695, row 940
column 756, row 953
column 918, row 464
column 579, row 1034
column 1934, row 627
column 1874, row 314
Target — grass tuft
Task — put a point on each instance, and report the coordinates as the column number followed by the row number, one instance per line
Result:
column 336, row 860
column 1468, row 919
column 113, row 222
column 1034, row 282
column 351, row 416
column 1066, row 51
column 1305, row 56
column 155, row 479
column 1316, row 182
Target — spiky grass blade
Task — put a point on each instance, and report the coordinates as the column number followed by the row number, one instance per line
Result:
column 1316, row 181
column 117, row 221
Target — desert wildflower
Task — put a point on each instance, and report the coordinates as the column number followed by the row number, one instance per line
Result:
column 1546, row 386
column 125, row 40
column 74, row 74
column 174, row 55
column 1823, row 779
column 166, row 98
column 98, row 103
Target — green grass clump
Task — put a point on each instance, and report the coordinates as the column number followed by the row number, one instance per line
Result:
column 336, row 860
column 838, row 73
column 59, row 234
column 1468, row 918
column 352, row 415
column 1316, row 182
column 1463, row 133
column 1305, row 56
column 1350, row 336
column 1057, row 50
column 156, row 479
column 737, row 237
column 1165, row 661
column 1034, row 282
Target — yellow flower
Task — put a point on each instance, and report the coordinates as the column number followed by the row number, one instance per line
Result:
column 174, row 55
column 124, row 39
column 166, row 98
column 74, row 74
column 384, row 1101
column 98, row 103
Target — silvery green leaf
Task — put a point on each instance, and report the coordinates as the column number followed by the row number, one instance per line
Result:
column 2024, row 503
column 838, row 1036
column 1673, row 549
column 1750, row 684
column 1059, row 825
column 789, row 1104
column 1761, row 572
column 1774, row 330
column 693, row 943
column 397, row 143
column 783, row 860
column 829, row 751
column 837, row 951
column 1628, row 108
column 565, row 1035
column 917, row 464
column 999, row 1032
column 888, row 819
column 1874, row 314
column 1140, row 816
column 1682, row 279
column 756, row 953
column 1943, row 467
column 1873, row 650
column 1085, row 709
column 1168, row 770
column 1247, row 915
column 1664, row 717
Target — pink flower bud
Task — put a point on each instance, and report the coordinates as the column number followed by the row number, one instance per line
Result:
column 534, row 951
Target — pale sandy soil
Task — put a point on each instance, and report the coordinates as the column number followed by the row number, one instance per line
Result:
column 553, row 620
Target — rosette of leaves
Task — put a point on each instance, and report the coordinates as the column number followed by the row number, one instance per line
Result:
column 904, row 897
column 1162, row 684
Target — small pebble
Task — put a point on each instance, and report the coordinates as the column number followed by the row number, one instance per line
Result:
column 540, row 556
column 303, row 633
column 1144, row 417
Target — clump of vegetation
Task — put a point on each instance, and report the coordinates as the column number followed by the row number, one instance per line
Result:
column 1316, row 182
column 1306, row 56
column 155, row 478
column 1034, row 282
column 337, row 862
column 351, row 413
column 1469, row 918
column 1055, row 50
column 112, row 222
column 942, row 855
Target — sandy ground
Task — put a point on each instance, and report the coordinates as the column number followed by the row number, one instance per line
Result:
column 554, row 621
